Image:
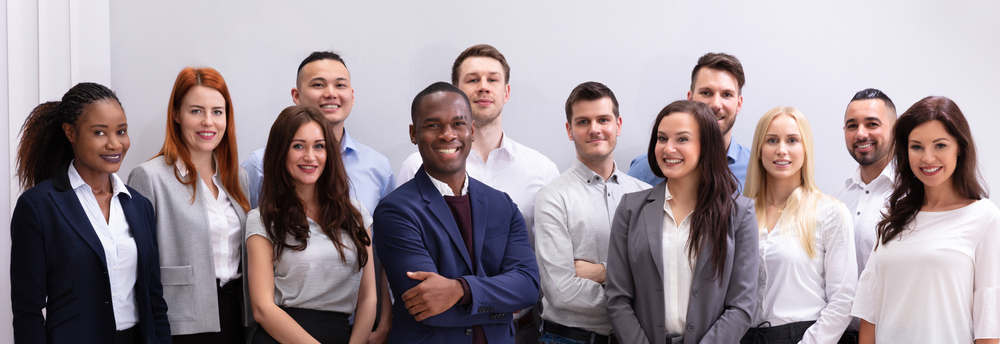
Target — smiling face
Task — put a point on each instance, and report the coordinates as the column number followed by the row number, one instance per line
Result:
column 482, row 80
column 720, row 91
column 326, row 86
column 868, row 131
column 933, row 153
column 99, row 138
column 783, row 153
column 202, row 119
column 678, row 146
column 594, row 129
column 306, row 155
column 442, row 130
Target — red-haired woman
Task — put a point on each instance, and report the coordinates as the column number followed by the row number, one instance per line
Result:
column 934, row 276
column 198, row 191
column 308, row 242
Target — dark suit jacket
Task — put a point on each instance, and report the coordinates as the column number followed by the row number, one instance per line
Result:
column 717, row 312
column 415, row 230
column 57, row 264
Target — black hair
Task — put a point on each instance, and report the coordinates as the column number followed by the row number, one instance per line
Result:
column 436, row 87
column 874, row 93
column 590, row 90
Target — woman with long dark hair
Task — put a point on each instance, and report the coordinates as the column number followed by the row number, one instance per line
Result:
column 84, row 265
column 308, row 242
column 934, row 276
column 197, row 189
column 808, row 268
column 682, row 259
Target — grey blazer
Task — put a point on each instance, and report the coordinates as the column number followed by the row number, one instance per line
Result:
column 717, row 313
column 186, row 266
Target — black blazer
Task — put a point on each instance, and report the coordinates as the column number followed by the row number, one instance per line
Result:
column 57, row 263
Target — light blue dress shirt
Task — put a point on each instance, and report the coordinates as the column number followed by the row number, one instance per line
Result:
column 368, row 171
column 738, row 159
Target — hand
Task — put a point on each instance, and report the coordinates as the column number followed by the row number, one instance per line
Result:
column 379, row 336
column 433, row 296
column 588, row 270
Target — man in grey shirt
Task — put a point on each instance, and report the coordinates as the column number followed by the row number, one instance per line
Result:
column 573, row 221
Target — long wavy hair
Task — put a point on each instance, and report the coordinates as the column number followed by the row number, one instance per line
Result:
column 281, row 210
column 44, row 146
column 174, row 149
column 908, row 193
column 710, row 219
column 800, row 207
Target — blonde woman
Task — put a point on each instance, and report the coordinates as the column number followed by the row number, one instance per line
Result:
column 808, row 267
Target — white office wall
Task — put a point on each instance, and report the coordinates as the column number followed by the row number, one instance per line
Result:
column 810, row 55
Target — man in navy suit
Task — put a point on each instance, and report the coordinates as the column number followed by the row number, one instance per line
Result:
column 455, row 251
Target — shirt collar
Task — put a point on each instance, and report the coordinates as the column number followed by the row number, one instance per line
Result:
column 667, row 197
column 589, row 176
column 183, row 171
column 446, row 190
column 888, row 173
column 347, row 143
column 732, row 154
column 76, row 181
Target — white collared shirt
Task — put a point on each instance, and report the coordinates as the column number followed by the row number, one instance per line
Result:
column 120, row 253
column 793, row 287
column 224, row 228
column 866, row 202
column 446, row 190
column 678, row 269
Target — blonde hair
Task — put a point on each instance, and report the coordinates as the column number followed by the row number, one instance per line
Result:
column 800, row 207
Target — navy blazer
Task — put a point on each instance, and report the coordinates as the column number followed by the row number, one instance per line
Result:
column 57, row 263
column 414, row 230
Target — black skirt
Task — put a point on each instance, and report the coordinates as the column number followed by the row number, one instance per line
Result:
column 324, row 326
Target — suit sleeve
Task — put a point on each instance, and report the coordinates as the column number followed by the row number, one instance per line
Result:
column 400, row 246
column 620, row 286
column 741, row 294
column 516, row 287
column 27, row 273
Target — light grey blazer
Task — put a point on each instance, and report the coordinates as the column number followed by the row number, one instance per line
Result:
column 717, row 313
column 187, row 269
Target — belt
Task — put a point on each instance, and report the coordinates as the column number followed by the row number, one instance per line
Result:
column 577, row 334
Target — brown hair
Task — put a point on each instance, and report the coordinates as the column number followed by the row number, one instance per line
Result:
column 723, row 62
column 590, row 90
column 480, row 50
column 174, row 149
column 281, row 210
column 44, row 147
column 908, row 192
column 710, row 218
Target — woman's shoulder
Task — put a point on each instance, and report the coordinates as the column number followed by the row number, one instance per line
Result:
column 153, row 168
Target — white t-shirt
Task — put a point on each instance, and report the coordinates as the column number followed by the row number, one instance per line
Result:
column 315, row 278
column 938, row 281
column 794, row 287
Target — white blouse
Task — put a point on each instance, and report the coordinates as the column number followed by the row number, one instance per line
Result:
column 794, row 287
column 678, row 269
column 938, row 281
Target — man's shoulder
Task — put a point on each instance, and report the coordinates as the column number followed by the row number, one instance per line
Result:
column 632, row 184
column 528, row 155
column 369, row 154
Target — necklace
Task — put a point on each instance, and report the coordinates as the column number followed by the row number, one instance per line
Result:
column 780, row 210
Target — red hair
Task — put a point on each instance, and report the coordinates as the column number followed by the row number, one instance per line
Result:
column 174, row 149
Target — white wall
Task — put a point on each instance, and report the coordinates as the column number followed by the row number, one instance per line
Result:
column 810, row 55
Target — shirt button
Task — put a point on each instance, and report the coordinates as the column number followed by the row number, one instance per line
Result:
column 114, row 267
column 859, row 213
column 866, row 192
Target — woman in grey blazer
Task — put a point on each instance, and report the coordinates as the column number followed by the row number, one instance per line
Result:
column 198, row 192
column 682, row 257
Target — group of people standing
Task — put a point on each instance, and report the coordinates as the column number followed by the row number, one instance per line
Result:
column 482, row 240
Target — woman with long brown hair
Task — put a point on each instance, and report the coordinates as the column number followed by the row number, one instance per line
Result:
column 308, row 242
column 682, row 258
column 934, row 276
column 198, row 191
column 83, row 260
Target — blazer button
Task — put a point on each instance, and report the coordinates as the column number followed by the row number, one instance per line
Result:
column 468, row 332
column 690, row 328
column 695, row 293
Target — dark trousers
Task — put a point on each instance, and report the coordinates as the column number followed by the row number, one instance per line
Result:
column 788, row 333
column 230, row 318
column 527, row 327
column 128, row 336
column 325, row 326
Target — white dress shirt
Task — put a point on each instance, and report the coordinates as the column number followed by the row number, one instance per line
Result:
column 938, row 281
column 794, row 287
column 678, row 268
column 573, row 222
column 224, row 228
column 120, row 253
column 866, row 202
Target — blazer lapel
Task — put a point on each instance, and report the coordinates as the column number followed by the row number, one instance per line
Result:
column 652, row 215
column 72, row 210
column 479, row 219
column 135, row 226
column 437, row 206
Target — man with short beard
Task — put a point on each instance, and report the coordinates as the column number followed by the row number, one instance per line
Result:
column 717, row 80
column 868, row 134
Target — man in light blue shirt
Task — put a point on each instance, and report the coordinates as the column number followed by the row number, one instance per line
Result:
column 324, row 82
column 717, row 80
